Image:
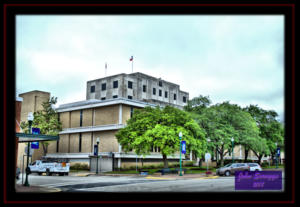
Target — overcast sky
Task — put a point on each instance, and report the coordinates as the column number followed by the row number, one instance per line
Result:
column 229, row 58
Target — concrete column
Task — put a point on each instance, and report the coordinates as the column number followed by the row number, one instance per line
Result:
column 120, row 113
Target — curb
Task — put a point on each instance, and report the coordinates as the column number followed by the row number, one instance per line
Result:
column 82, row 175
column 211, row 177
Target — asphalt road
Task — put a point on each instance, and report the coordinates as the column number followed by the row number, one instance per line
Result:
column 133, row 184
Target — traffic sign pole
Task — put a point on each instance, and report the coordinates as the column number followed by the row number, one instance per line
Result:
column 180, row 136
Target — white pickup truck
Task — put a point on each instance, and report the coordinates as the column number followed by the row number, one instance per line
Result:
column 49, row 168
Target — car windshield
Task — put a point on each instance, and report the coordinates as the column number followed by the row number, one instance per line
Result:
column 228, row 165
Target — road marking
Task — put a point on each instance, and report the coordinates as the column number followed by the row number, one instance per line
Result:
column 159, row 178
column 61, row 184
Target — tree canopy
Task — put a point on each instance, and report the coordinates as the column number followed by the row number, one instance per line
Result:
column 224, row 121
column 155, row 127
column 270, row 131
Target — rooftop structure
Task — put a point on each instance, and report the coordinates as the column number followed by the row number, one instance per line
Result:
column 137, row 86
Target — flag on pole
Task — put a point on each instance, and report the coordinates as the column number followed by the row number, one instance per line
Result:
column 131, row 59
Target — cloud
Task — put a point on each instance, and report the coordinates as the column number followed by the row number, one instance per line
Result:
column 237, row 58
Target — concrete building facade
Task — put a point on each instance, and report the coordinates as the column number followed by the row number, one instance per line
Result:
column 85, row 121
column 137, row 86
column 31, row 102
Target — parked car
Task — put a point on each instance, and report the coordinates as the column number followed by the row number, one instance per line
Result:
column 18, row 172
column 230, row 169
column 254, row 167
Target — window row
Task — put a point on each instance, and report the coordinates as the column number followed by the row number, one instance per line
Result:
column 115, row 85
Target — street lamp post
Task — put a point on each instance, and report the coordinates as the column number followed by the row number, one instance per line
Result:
column 30, row 120
column 276, row 156
column 98, row 141
column 232, row 141
column 180, row 137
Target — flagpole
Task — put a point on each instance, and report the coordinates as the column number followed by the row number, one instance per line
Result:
column 132, row 66
column 105, row 69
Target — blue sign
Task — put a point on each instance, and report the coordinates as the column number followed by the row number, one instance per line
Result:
column 36, row 130
column 95, row 150
column 278, row 151
column 34, row 145
column 183, row 147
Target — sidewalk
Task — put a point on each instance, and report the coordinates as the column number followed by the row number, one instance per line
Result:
column 35, row 189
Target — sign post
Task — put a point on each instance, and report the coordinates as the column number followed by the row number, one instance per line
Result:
column 207, row 157
column 180, row 137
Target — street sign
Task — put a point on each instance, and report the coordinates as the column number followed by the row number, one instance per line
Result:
column 207, row 157
column 183, row 147
column 34, row 145
column 278, row 151
column 95, row 150
column 36, row 130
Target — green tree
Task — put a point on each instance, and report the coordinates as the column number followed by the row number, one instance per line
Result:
column 197, row 104
column 155, row 127
column 224, row 121
column 270, row 130
column 47, row 120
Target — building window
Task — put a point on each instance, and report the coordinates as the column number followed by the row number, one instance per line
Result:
column 57, row 145
column 115, row 96
column 184, row 99
column 175, row 97
column 81, row 118
column 166, row 94
column 103, row 86
column 92, row 89
column 80, row 141
column 154, row 91
column 144, row 88
column 115, row 84
column 131, row 112
column 160, row 83
column 103, row 98
column 130, row 84
column 129, row 97
column 159, row 92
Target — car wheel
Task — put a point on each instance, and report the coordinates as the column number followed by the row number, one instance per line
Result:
column 257, row 170
column 227, row 173
column 39, row 173
column 48, row 172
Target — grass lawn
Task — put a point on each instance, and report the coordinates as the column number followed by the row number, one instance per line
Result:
column 272, row 167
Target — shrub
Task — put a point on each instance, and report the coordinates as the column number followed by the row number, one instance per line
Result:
column 79, row 166
column 188, row 163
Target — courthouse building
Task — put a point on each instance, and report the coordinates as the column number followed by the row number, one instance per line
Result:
column 110, row 103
